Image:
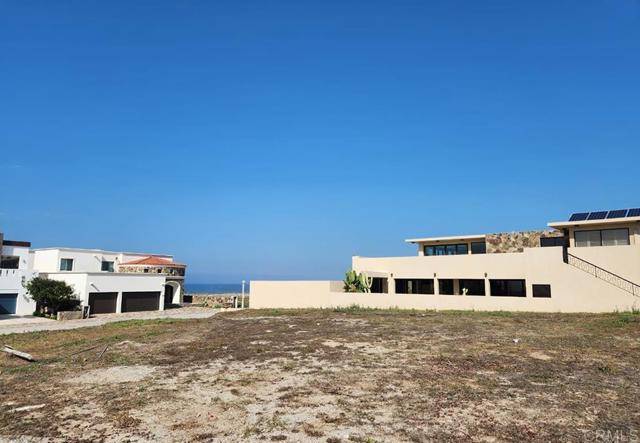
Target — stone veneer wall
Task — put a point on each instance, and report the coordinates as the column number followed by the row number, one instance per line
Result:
column 218, row 300
column 516, row 241
column 162, row 270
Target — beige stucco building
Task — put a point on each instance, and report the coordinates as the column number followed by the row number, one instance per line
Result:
column 589, row 263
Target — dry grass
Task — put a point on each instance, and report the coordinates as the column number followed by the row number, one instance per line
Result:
column 347, row 375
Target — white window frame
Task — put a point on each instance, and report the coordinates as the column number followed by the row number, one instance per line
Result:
column 67, row 260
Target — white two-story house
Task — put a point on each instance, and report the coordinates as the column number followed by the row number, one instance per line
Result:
column 106, row 281
column 15, row 269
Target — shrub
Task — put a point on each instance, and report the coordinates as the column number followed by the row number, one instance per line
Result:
column 52, row 296
column 354, row 282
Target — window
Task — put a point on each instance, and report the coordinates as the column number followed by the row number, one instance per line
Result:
column 479, row 247
column 414, row 286
column 446, row 286
column 107, row 266
column 66, row 264
column 473, row 287
column 588, row 238
column 379, row 285
column 546, row 242
column 615, row 237
column 455, row 249
column 9, row 262
column 542, row 291
column 508, row 288
column 604, row 237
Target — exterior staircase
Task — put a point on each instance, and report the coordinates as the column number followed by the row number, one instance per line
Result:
column 602, row 274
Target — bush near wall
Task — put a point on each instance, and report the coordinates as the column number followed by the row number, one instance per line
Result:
column 51, row 296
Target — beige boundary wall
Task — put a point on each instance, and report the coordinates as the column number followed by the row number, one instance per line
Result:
column 572, row 290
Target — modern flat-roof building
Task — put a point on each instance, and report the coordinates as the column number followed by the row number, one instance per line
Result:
column 589, row 263
column 15, row 269
column 106, row 281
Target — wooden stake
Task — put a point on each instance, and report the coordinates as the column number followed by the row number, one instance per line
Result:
column 22, row 355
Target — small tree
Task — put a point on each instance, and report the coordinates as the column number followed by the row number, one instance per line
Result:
column 51, row 296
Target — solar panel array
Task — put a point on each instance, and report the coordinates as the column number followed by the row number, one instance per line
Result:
column 601, row 215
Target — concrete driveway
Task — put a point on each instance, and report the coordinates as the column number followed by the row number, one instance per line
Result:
column 11, row 324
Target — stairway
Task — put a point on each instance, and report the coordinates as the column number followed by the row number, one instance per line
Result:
column 602, row 274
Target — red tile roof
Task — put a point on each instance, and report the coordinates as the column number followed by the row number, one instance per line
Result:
column 153, row 261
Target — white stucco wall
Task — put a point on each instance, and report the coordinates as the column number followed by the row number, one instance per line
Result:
column 85, row 283
column 11, row 282
column 18, row 251
column 48, row 260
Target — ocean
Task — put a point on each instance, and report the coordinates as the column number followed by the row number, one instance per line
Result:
column 215, row 288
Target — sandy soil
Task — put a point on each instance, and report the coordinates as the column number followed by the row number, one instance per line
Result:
column 330, row 376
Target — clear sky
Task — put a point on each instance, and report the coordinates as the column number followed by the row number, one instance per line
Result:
column 276, row 139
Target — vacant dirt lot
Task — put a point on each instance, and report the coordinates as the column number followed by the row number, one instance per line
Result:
column 330, row 376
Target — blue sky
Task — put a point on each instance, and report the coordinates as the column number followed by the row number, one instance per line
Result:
column 278, row 139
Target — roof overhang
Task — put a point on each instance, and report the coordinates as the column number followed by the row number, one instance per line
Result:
column 610, row 221
column 103, row 251
column 446, row 239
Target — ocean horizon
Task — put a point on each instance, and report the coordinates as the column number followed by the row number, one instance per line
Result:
column 215, row 288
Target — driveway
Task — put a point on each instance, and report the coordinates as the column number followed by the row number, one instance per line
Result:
column 16, row 325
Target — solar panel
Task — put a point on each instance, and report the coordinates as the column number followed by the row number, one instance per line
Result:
column 635, row 212
column 579, row 216
column 598, row 215
column 618, row 213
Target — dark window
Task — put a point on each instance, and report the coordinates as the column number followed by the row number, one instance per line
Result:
column 479, row 247
column 9, row 262
column 455, row 249
column 508, row 288
column 473, row 287
column 546, row 242
column 66, row 264
column 542, row 291
column 414, row 286
column 107, row 266
column 446, row 286
column 379, row 285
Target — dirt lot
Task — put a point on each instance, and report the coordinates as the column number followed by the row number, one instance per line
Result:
column 330, row 376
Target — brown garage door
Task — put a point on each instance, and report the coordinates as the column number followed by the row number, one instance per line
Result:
column 103, row 302
column 140, row 301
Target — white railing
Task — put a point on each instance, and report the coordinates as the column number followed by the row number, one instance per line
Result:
column 603, row 274
column 10, row 272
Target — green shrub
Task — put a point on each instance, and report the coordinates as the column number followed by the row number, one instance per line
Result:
column 51, row 296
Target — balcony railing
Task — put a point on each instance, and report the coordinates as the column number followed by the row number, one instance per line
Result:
column 11, row 272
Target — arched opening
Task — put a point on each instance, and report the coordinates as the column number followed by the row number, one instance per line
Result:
column 172, row 293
